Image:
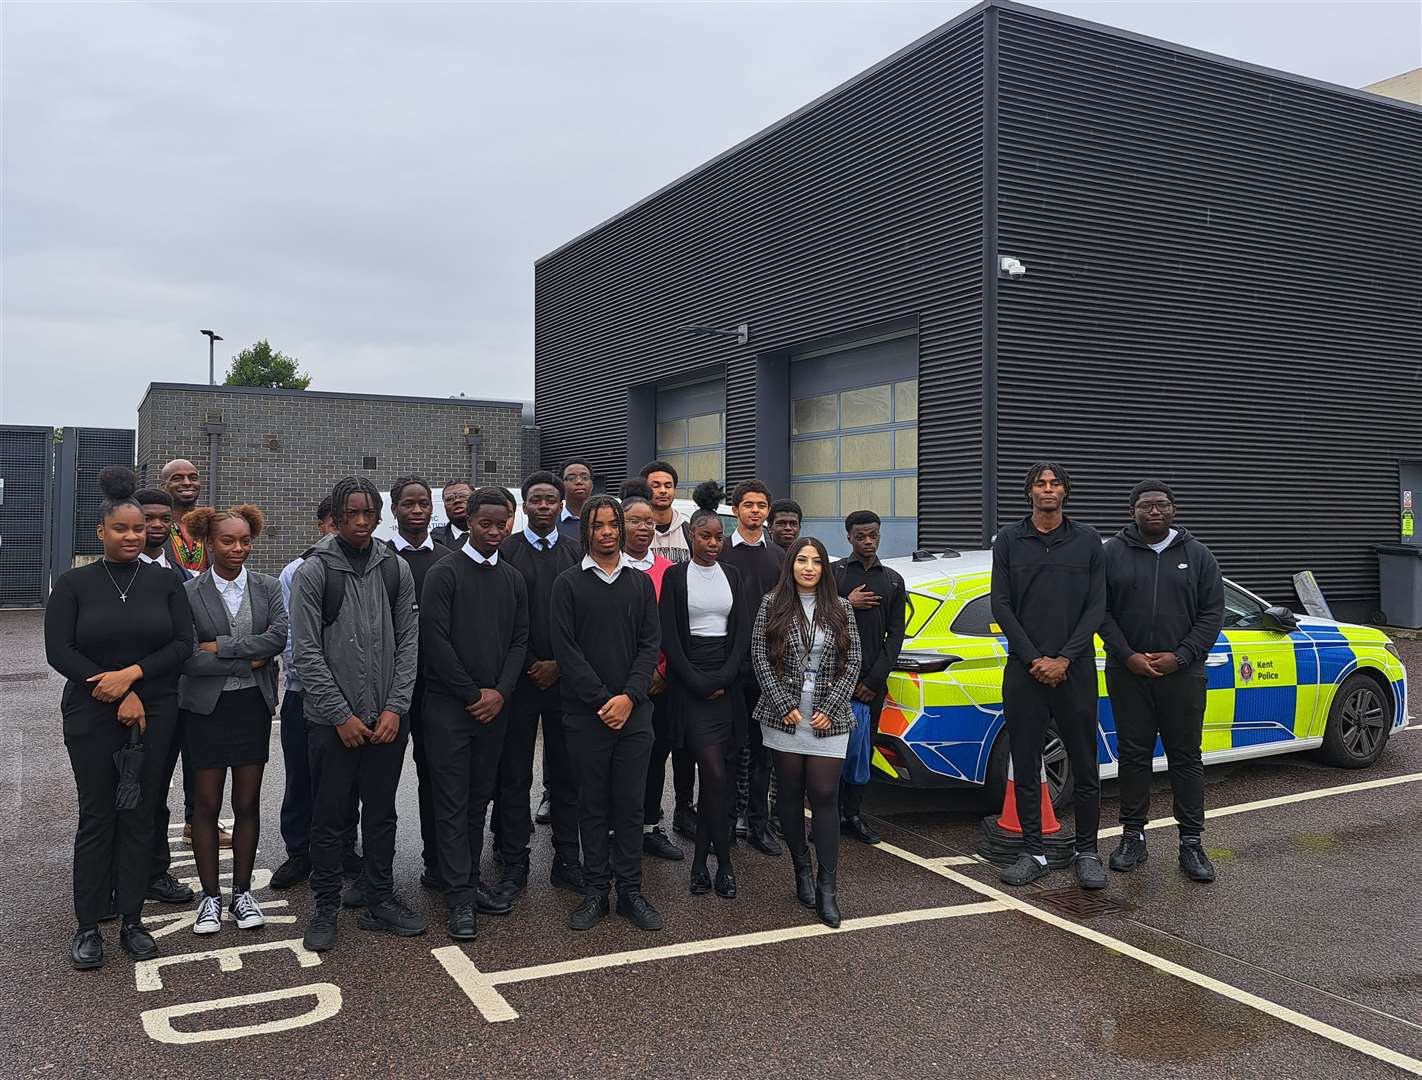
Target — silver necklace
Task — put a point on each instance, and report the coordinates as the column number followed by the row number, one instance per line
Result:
column 123, row 593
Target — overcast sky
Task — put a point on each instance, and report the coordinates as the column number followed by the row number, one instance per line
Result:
column 368, row 186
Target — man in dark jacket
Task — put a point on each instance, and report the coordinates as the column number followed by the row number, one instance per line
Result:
column 1049, row 595
column 452, row 533
column 1164, row 609
column 880, row 601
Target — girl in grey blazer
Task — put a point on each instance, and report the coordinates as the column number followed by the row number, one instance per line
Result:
column 805, row 651
column 227, row 695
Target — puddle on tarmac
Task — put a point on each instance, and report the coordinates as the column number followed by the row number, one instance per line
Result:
column 1175, row 1023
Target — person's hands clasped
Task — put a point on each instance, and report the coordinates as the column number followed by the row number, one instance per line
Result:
column 1163, row 663
column 792, row 718
column 1139, row 664
column 130, row 712
column 820, row 722
column 488, row 707
column 113, row 685
column 353, row 732
column 1051, row 670
column 386, row 728
column 615, row 711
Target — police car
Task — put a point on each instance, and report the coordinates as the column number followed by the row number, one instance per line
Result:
column 1277, row 683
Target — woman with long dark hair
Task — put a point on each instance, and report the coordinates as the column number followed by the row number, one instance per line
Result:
column 228, row 694
column 118, row 629
column 805, row 650
column 704, row 630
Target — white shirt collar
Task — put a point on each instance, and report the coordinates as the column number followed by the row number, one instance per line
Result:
column 162, row 559
column 236, row 585
column 567, row 515
column 537, row 541
column 737, row 539
column 590, row 564
column 643, row 564
column 455, row 532
column 401, row 544
column 492, row 560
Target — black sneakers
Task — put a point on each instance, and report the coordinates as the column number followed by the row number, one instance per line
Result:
column 292, row 872
column 492, row 901
column 462, row 925
column 566, row 875
column 1195, row 863
column 86, row 951
column 684, row 822
column 658, row 844
column 1090, row 874
column 638, row 910
column 393, row 917
column 321, row 930
column 590, row 912
column 1130, row 852
column 1024, row 871
column 353, row 896
column 166, row 890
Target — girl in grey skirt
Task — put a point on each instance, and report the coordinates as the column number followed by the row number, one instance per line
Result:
column 805, row 651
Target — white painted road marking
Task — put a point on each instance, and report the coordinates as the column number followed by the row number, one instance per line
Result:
column 1285, row 800
column 158, row 1022
column 478, row 985
column 148, row 974
column 1169, row 967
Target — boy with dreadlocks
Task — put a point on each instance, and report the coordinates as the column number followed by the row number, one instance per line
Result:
column 607, row 638
column 355, row 644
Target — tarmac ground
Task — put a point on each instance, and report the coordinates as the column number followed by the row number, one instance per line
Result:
column 1303, row 960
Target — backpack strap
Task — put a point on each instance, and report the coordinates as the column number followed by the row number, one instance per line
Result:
column 390, row 573
column 333, row 593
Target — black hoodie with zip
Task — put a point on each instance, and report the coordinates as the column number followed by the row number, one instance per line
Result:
column 1170, row 602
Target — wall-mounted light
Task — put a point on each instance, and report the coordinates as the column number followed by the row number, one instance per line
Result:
column 741, row 333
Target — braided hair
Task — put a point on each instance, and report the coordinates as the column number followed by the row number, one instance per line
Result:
column 353, row 485
column 589, row 514
column 401, row 483
column 1035, row 473
column 118, row 483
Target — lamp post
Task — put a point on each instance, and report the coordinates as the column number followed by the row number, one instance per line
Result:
column 213, row 337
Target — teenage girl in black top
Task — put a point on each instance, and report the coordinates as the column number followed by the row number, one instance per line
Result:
column 119, row 629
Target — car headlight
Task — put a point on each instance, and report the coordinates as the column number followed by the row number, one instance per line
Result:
column 919, row 663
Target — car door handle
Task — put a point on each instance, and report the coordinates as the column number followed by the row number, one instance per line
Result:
column 1217, row 659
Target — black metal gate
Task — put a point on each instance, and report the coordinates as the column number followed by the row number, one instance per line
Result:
column 83, row 453
column 26, row 457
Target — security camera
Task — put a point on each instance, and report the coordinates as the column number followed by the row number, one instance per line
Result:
column 1009, row 267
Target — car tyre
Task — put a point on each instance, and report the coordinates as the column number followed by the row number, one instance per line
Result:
column 1358, row 723
column 1059, row 782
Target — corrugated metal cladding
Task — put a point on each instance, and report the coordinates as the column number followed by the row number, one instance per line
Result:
column 26, row 454
column 97, row 449
column 860, row 211
column 1223, row 289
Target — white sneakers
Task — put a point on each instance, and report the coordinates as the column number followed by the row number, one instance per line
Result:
column 246, row 913
column 209, row 915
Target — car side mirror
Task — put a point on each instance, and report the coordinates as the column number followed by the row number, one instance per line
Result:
column 1279, row 619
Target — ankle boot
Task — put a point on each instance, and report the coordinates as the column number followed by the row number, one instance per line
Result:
column 826, row 903
column 804, row 879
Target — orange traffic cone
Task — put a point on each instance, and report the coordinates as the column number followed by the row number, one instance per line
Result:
column 1008, row 822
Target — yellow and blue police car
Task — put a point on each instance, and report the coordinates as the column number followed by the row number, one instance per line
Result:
column 1277, row 684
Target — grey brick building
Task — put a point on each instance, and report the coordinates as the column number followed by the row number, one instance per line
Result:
column 284, row 449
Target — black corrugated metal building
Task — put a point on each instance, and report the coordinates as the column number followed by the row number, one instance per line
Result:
column 1224, row 287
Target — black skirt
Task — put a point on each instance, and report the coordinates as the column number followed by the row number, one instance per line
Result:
column 237, row 732
column 697, row 722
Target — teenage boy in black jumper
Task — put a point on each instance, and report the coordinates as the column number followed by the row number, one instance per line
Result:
column 880, row 600
column 785, row 518
column 1049, row 597
column 1164, row 609
column 474, row 623
column 357, row 665
column 540, row 554
column 577, row 486
column 606, row 639
column 455, row 495
column 758, row 560
column 413, row 503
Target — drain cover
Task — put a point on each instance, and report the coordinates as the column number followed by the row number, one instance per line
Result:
column 24, row 676
column 1080, row 905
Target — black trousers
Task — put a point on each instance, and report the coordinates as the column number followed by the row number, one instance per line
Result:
column 1172, row 707
column 341, row 777
column 464, row 768
column 162, row 842
column 683, row 766
column 851, row 796
column 424, row 795
column 612, row 782
column 753, row 771
column 113, row 849
column 296, row 795
column 1027, row 707
column 514, row 825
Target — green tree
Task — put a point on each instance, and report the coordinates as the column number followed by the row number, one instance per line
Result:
column 261, row 365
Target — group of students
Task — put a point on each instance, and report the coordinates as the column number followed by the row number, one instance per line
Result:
column 631, row 634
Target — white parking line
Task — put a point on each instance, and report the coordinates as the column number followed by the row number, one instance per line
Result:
column 479, row 986
column 1284, row 800
column 1169, row 967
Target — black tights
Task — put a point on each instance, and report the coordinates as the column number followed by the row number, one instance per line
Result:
column 246, row 811
column 713, row 822
column 800, row 775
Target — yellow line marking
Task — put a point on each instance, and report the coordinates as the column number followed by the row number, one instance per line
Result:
column 479, row 986
column 1169, row 967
